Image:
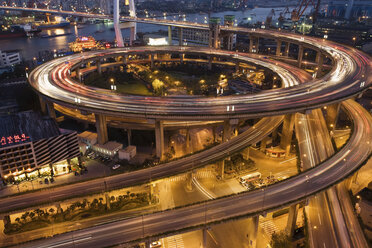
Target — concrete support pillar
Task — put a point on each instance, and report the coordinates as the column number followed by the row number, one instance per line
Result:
column 226, row 131
column 274, row 135
column 86, row 125
column 182, row 56
column 78, row 74
column 210, row 58
column 221, row 168
column 214, row 134
column 152, row 61
column 188, row 150
column 237, row 66
column 51, row 110
column 151, row 193
column 253, row 44
column 332, row 115
column 250, row 44
column 180, row 36
column 159, row 137
column 169, row 35
column 292, row 219
column 263, row 144
column 99, row 67
column 300, row 55
column 107, row 198
column 125, row 59
column 286, row 50
column 101, row 127
column 43, row 105
column 132, row 36
column 253, row 237
column 278, row 47
column 287, row 132
column 189, row 181
column 129, row 134
column 319, row 63
column 205, row 237
column 245, row 153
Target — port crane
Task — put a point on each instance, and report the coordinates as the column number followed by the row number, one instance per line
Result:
column 299, row 10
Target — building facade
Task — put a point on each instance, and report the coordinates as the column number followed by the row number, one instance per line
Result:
column 9, row 58
column 33, row 146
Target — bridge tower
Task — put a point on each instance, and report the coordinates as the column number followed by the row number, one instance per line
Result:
column 118, row 26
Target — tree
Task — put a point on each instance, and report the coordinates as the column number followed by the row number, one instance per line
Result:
column 32, row 215
column 280, row 240
column 51, row 211
column 157, row 85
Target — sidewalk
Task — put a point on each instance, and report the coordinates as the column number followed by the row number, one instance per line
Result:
column 95, row 169
column 68, row 226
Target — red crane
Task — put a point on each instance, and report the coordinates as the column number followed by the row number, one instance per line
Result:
column 302, row 6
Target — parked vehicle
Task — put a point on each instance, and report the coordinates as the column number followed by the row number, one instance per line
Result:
column 115, row 166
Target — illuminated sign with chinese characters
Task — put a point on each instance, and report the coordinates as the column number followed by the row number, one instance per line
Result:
column 14, row 139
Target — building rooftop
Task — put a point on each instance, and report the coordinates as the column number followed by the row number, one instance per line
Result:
column 25, row 127
column 87, row 135
column 110, row 146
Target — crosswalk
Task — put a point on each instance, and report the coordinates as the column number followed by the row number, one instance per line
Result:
column 174, row 242
column 269, row 227
column 199, row 174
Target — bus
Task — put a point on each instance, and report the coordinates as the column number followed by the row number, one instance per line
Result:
column 250, row 177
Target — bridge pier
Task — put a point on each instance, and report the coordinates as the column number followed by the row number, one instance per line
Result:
column 245, row 153
column 51, row 110
column 125, row 59
column 226, row 131
column 221, row 168
column 292, row 219
column 263, row 144
column 319, row 61
column 253, row 44
column 99, row 67
column 300, row 55
column 78, row 74
column 159, row 139
column 180, row 36
column 237, row 67
column 188, row 150
column 287, row 132
column 205, row 229
column 189, row 181
column 182, row 57
column 332, row 115
column 169, row 35
column 129, row 135
column 152, row 57
column 132, row 35
column 43, row 107
column 278, row 48
column 286, row 49
column 253, row 236
column 101, row 126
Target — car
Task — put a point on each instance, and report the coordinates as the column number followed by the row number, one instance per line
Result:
column 116, row 166
column 155, row 244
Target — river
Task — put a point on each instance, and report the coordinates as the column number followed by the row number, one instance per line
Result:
column 30, row 47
